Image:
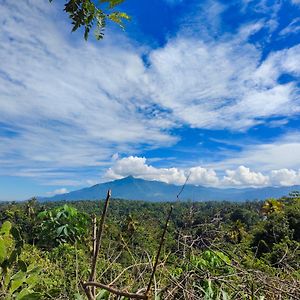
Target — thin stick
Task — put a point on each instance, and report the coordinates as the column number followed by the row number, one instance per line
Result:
column 159, row 250
column 76, row 267
column 115, row 291
column 87, row 292
column 182, row 188
column 94, row 236
column 94, row 239
column 99, row 237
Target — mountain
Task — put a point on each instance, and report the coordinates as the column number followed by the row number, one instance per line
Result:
column 139, row 189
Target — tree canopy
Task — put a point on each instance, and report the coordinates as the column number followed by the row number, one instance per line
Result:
column 88, row 14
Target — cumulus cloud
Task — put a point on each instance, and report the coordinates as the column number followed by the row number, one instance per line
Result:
column 243, row 176
column 240, row 177
column 137, row 167
column 202, row 176
column 285, row 177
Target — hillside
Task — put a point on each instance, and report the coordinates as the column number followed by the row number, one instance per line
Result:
column 138, row 189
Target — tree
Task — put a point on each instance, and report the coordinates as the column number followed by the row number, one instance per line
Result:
column 272, row 206
column 62, row 225
column 87, row 14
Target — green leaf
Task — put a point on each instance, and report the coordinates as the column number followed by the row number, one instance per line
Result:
column 102, row 295
column 23, row 293
column 3, row 250
column 31, row 296
column 18, row 275
column 32, row 280
column 60, row 229
column 16, row 281
column 42, row 214
column 32, row 269
column 78, row 297
column 5, row 228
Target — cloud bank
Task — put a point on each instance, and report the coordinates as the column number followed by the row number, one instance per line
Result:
column 240, row 177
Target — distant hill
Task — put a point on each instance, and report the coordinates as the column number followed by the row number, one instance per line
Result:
column 138, row 189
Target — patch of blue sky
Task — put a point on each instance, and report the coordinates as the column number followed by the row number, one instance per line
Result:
column 154, row 21
column 6, row 130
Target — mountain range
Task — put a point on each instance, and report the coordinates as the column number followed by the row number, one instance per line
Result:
column 139, row 189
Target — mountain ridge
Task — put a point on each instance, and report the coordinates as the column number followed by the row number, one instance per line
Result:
column 132, row 188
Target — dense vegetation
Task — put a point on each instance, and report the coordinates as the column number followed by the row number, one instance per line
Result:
column 212, row 250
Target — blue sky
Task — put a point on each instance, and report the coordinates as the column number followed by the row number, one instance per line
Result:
column 206, row 88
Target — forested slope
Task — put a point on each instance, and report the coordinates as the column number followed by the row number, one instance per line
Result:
column 212, row 250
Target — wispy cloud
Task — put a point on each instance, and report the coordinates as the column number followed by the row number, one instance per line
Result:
column 279, row 154
column 67, row 105
column 292, row 28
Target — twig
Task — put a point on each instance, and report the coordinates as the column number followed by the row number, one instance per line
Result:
column 97, row 236
column 126, row 269
column 182, row 188
column 94, row 240
column 116, row 291
column 159, row 250
column 94, row 236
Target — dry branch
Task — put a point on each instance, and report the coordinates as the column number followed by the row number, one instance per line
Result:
column 99, row 236
column 159, row 250
column 116, row 291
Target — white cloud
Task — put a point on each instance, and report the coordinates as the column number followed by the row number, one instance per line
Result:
column 58, row 192
column 202, row 176
column 137, row 167
column 239, row 177
column 277, row 154
column 222, row 84
column 285, row 177
column 70, row 104
column 291, row 28
column 243, row 176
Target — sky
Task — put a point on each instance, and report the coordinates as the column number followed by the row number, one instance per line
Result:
column 209, row 89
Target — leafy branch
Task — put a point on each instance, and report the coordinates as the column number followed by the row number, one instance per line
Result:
column 87, row 14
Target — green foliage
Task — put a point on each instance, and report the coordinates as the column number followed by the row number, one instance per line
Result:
column 213, row 250
column 18, row 279
column 270, row 232
column 272, row 206
column 62, row 225
column 87, row 14
column 213, row 261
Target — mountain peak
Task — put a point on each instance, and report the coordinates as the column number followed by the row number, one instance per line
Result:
column 140, row 189
column 129, row 178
